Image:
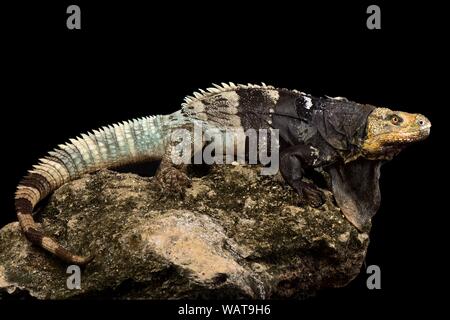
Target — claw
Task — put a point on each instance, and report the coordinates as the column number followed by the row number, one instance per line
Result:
column 172, row 181
column 310, row 194
column 315, row 198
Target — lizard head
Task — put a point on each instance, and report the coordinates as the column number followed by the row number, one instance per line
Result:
column 387, row 132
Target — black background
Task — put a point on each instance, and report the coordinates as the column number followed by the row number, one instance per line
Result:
column 131, row 60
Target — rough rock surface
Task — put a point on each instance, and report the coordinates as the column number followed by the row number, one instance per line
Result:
column 236, row 234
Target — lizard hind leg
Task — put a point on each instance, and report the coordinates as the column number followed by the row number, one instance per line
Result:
column 172, row 178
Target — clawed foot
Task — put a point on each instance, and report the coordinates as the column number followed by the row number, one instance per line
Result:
column 310, row 194
column 172, row 181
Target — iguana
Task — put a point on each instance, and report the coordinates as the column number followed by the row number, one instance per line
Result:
column 348, row 140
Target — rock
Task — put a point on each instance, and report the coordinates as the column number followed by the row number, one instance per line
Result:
column 236, row 234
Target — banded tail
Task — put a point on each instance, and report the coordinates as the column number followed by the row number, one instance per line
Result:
column 112, row 146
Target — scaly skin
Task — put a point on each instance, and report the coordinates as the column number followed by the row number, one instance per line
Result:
column 109, row 147
column 389, row 131
column 346, row 138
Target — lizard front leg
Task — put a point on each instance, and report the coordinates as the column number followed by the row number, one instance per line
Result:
column 292, row 163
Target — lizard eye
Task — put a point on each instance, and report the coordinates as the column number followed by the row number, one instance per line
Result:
column 395, row 119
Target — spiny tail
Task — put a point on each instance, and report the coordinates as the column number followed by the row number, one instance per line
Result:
column 112, row 146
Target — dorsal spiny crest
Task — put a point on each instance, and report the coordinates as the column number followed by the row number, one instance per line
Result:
column 217, row 89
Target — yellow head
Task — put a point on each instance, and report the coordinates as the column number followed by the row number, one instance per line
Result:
column 388, row 131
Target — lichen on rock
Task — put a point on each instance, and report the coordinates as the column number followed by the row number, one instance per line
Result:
column 235, row 234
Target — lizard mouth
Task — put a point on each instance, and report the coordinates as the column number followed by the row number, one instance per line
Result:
column 415, row 135
column 394, row 141
column 404, row 137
